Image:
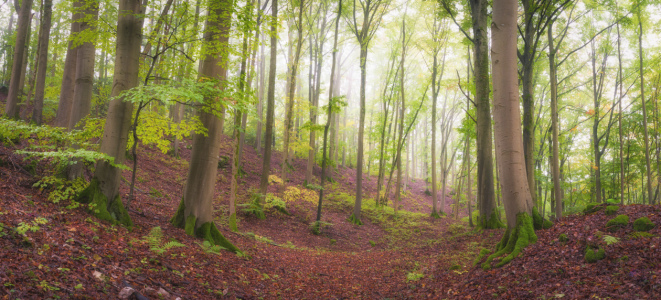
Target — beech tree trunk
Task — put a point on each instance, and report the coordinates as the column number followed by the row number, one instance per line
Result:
column 195, row 213
column 44, row 39
column 84, row 79
column 270, row 99
column 648, row 168
column 555, row 157
column 69, row 75
column 103, row 191
column 18, row 67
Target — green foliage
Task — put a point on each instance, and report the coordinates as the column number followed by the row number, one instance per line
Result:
column 414, row 276
column 618, row 222
column 610, row 240
column 317, row 226
column 155, row 241
column 254, row 207
column 539, row 221
column 332, row 242
column 32, row 226
column 643, row 224
column 273, row 201
column 154, row 128
column 372, row 243
column 639, row 234
column 611, row 210
column 483, row 253
column 61, row 189
column 456, row 228
column 210, row 248
column 592, row 256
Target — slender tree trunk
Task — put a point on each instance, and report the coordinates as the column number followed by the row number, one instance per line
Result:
column 44, row 39
column 555, row 155
column 266, row 167
column 18, row 68
column 361, row 135
column 648, row 168
column 398, row 193
column 260, row 99
column 69, row 75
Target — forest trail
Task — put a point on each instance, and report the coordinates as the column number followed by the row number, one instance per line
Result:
column 73, row 255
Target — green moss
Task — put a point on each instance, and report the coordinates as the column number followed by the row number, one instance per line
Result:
column 435, row 215
column 332, row 242
column 611, row 209
column 513, row 241
column 233, row 225
column 618, row 222
column 643, row 224
column 483, row 253
column 594, row 256
column 540, row 222
column 98, row 205
column 563, row 238
column 492, row 222
column 455, row 267
column 206, row 231
column 355, row 220
column 373, row 243
column 592, row 207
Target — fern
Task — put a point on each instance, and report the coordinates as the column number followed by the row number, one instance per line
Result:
column 154, row 240
column 610, row 240
column 208, row 248
column 639, row 234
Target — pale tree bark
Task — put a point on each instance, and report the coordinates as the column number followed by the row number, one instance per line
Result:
column 18, row 68
column 69, row 75
column 195, row 212
column 84, row 79
column 398, row 193
column 372, row 13
column 509, row 139
column 439, row 38
column 44, row 39
column 619, row 115
column 260, row 99
column 103, row 191
column 292, row 76
column 648, row 169
column 555, row 157
column 329, row 111
column 270, row 99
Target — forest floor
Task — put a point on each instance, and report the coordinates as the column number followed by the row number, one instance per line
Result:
column 66, row 253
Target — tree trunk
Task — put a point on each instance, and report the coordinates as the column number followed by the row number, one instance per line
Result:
column 648, row 168
column 196, row 207
column 260, row 99
column 361, row 137
column 555, row 157
column 69, row 75
column 103, row 191
column 509, row 140
column 84, row 79
column 44, row 39
column 266, row 167
column 18, row 68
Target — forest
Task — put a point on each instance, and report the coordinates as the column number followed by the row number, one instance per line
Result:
column 330, row 149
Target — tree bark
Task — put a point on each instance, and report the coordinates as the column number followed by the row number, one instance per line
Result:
column 44, row 39
column 555, row 157
column 648, row 169
column 69, row 75
column 18, row 67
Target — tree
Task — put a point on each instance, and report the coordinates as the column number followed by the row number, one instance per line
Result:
column 195, row 212
column 509, row 139
column 69, row 75
column 103, row 191
column 485, row 184
column 270, row 102
column 44, row 39
column 372, row 13
column 18, row 68
column 648, row 169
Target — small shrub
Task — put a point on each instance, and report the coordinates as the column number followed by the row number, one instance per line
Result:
column 274, row 179
column 611, row 209
column 254, row 207
column 427, row 192
column 618, row 222
column 563, row 238
column 643, row 224
column 373, row 243
column 593, row 256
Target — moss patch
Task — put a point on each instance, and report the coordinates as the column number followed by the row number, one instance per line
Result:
column 563, row 238
column 483, row 253
column 539, row 222
column 492, row 222
column 233, row 225
column 592, row 256
column 98, row 205
column 611, row 209
column 206, row 231
column 618, row 222
column 643, row 224
column 355, row 220
column 592, row 207
column 514, row 240
column 435, row 215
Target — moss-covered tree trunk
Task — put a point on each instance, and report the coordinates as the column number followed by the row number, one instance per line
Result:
column 508, row 135
column 196, row 207
column 103, row 192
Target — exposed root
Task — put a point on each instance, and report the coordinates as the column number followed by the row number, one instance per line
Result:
column 97, row 204
column 355, row 220
column 514, row 240
column 206, row 231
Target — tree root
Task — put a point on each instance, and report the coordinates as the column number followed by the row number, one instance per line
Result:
column 355, row 220
column 206, row 231
column 98, row 205
column 513, row 241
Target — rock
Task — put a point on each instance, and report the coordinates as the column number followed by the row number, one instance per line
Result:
column 126, row 292
column 163, row 293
